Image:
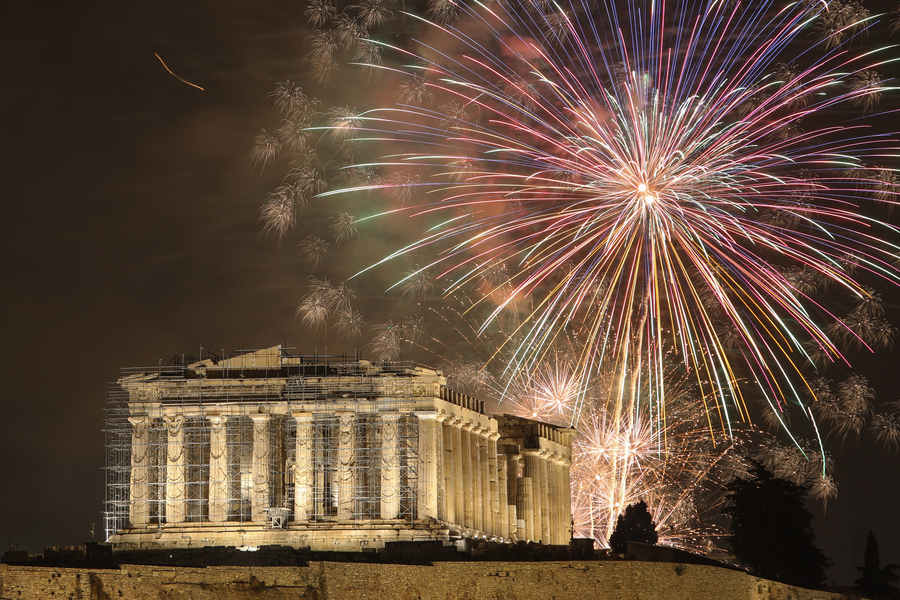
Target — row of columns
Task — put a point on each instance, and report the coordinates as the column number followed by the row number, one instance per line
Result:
column 544, row 501
column 471, row 477
column 142, row 429
column 524, row 496
column 461, row 478
column 302, row 469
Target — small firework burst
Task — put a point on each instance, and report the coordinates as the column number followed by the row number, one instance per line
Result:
column 315, row 249
column 403, row 186
column 265, row 149
column 319, row 12
column 416, row 285
column 869, row 82
column 414, row 90
column 349, row 324
column 343, row 226
column 886, row 427
column 279, row 213
column 387, row 342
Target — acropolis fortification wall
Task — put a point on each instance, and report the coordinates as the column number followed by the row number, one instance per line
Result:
column 474, row 580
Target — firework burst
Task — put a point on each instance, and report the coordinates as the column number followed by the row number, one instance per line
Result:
column 620, row 459
column 664, row 191
column 642, row 174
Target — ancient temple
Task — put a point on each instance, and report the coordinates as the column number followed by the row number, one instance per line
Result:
column 270, row 448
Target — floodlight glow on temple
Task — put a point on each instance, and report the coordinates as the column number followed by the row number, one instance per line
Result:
column 327, row 453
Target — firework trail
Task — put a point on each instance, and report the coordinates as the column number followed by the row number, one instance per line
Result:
column 646, row 204
column 631, row 178
column 641, row 174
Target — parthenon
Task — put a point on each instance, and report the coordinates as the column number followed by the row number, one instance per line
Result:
column 330, row 453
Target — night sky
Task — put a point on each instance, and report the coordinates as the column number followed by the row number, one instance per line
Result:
column 131, row 234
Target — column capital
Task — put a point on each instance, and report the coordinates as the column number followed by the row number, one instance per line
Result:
column 426, row 414
column 174, row 423
column 567, row 434
column 259, row 417
column 217, row 420
column 142, row 421
column 558, row 459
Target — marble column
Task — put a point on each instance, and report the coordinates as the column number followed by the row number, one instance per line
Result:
column 546, row 495
column 459, row 483
column 533, row 474
column 565, row 514
column 466, row 482
column 439, row 466
column 175, row 496
column 218, row 468
column 554, row 501
column 566, row 500
column 492, row 523
column 484, row 469
column 430, row 434
column 502, row 496
column 448, row 496
column 477, row 473
column 525, row 509
column 259, row 468
column 139, row 509
column 346, row 423
column 304, row 444
column 390, row 466
column 516, row 524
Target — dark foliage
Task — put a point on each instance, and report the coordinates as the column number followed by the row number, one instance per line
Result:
column 876, row 580
column 772, row 530
column 635, row 525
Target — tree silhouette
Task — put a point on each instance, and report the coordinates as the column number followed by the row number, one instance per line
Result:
column 772, row 530
column 634, row 525
column 876, row 580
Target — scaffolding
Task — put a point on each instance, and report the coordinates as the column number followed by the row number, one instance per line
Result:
column 264, row 438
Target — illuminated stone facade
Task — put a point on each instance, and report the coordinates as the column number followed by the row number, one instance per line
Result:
column 269, row 448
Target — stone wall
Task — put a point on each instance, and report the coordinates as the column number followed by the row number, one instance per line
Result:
column 612, row 580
